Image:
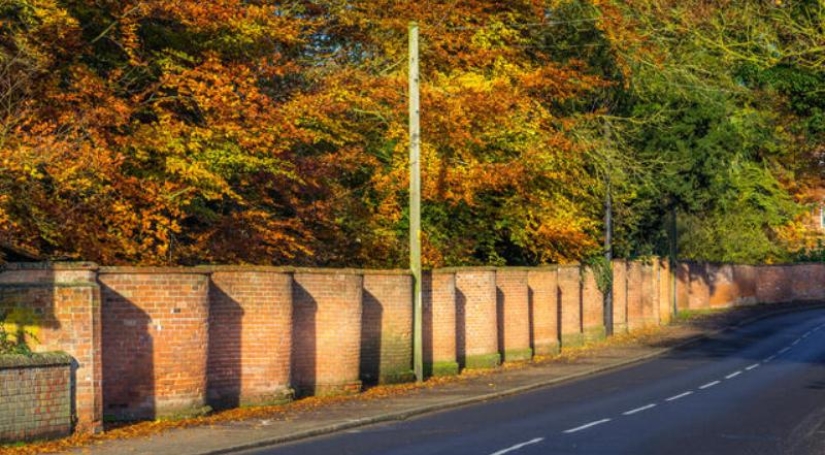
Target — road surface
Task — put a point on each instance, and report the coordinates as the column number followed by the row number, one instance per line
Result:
column 757, row 390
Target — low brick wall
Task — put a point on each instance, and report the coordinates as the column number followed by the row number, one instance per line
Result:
column 35, row 397
column 592, row 307
column 439, row 329
column 476, row 318
column 155, row 342
column 326, row 345
column 250, row 336
column 570, row 302
column 386, row 327
column 544, row 307
column 513, row 307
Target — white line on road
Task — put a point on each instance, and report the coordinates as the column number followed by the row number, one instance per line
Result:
column 807, row 334
column 518, row 446
column 784, row 350
column 643, row 408
column 756, row 365
column 709, row 384
column 681, row 395
column 796, row 342
column 586, row 426
column 733, row 375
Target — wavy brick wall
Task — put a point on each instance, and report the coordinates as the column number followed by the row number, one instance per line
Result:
column 155, row 341
column 250, row 336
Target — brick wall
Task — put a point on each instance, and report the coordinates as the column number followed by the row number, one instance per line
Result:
column 476, row 318
column 570, row 301
column 35, row 397
column 650, row 293
column 635, row 292
column 250, row 336
column 619, row 296
column 773, row 285
column 592, row 307
column 386, row 327
column 513, row 307
column 62, row 305
column 155, row 341
column 807, row 283
column 439, row 323
column 326, row 344
column 665, row 297
column 544, row 307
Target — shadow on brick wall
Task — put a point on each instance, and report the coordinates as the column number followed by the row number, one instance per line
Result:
column 500, row 322
column 304, row 341
column 224, row 372
column 460, row 328
column 371, row 322
column 128, row 366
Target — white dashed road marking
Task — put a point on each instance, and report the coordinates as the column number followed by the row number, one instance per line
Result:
column 681, row 395
column 751, row 367
column 518, row 446
column 586, row 426
column 733, row 375
column 709, row 385
column 637, row 410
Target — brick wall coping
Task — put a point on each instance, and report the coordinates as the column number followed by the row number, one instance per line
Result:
column 472, row 268
column 323, row 271
column 520, row 268
column 21, row 266
column 246, row 268
column 153, row 271
column 45, row 359
column 439, row 272
column 386, row 272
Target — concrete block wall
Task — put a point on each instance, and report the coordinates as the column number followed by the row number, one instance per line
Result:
column 35, row 397
column 155, row 341
column 250, row 336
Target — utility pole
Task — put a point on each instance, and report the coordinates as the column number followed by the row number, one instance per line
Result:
column 415, row 202
column 608, row 240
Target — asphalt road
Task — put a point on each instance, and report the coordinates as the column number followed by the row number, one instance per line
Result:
column 757, row 390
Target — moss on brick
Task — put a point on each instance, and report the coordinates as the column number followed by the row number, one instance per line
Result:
column 518, row 355
column 571, row 340
column 594, row 334
column 441, row 369
column 482, row 361
column 549, row 348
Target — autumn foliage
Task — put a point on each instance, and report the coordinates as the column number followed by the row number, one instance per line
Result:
column 157, row 132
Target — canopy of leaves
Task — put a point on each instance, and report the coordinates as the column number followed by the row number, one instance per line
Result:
column 275, row 132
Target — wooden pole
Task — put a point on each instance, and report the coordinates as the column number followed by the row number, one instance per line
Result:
column 415, row 202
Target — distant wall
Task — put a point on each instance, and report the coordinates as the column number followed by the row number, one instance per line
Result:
column 154, row 342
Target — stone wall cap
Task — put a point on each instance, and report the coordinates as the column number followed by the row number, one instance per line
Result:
column 397, row 272
column 130, row 270
column 45, row 359
column 326, row 271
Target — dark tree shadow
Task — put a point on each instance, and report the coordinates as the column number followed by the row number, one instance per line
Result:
column 224, row 372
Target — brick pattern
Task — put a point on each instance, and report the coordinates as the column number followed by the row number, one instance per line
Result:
column 619, row 296
column 250, row 336
column 650, row 294
column 773, row 284
column 513, row 307
column 439, row 322
column 635, row 306
column 64, row 302
column 592, row 307
column 745, row 276
column 386, row 328
column 807, row 284
column 476, row 316
column 35, row 402
column 665, row 295
column 155, row 342
column 326, row 343
column 683, row 286
column 544, row 305
column 699, row 288
column 569, row 280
